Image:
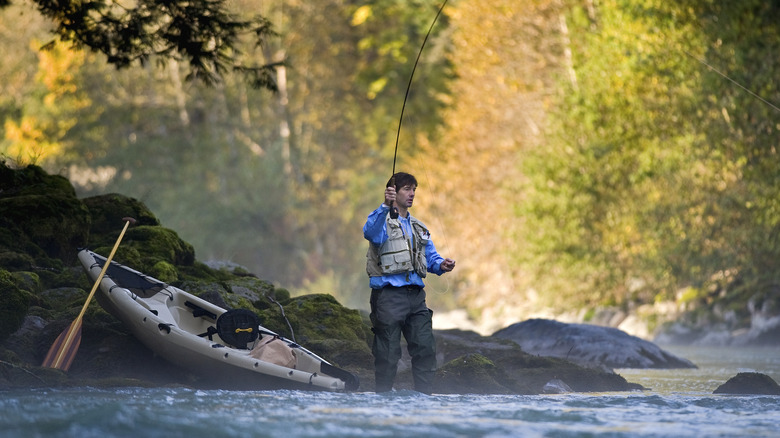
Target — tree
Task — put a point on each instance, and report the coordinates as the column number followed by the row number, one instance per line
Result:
column 659, row 175
column 202, row 33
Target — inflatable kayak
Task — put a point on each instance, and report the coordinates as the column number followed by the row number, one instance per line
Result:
column 229, row 349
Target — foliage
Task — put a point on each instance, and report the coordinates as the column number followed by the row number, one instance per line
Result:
column 469, row 179
column 570, row 153
column 649, row 183
column 266, row 180
column 203, row 33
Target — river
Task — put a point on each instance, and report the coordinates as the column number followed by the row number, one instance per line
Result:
column 679, row 403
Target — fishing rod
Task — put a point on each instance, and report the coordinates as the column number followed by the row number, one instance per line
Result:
column 393, row 208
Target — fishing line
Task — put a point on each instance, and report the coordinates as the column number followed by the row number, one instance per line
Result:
column 441, row 227
column 394, row 210
column 409, row 85
column 732, row 81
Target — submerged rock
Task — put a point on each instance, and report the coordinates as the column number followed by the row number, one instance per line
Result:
column 749, row 383
column 590, row 345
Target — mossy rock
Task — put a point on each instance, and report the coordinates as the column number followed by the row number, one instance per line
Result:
column 470, row 374
column 107, row 212
column 63, row 298
column 32, row 180
column 144, row 246
column 29, row 281
column 15, row 260
column 199, row 271
column 156, row 243
column 316, row 317
column 14, row 304
column 126, row 255
column 40, row 216
column 252, row 288
column 164, row 272
column 345, row 354
column 523, row 373
column 58, row 225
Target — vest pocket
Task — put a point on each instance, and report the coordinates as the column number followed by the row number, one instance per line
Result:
column 395, row 262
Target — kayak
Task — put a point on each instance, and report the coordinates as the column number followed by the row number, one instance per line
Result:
column 229, row 349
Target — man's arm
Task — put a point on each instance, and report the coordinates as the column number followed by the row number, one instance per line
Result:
column 374, row 230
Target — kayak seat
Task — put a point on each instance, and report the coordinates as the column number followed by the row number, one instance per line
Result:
column 238, row 327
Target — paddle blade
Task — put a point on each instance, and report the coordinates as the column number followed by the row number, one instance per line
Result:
column 64, row 349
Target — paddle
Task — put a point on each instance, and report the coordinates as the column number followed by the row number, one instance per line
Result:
column 65, row 347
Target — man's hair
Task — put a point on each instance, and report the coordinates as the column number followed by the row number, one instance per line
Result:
column 402, row 179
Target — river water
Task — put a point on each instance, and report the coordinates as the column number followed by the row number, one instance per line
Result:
column 680, row 403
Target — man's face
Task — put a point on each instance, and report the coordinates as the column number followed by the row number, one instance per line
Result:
column 405, row 195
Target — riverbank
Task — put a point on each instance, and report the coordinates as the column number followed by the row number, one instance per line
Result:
column 42, row 226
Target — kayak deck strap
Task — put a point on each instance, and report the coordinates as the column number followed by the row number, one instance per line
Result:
column 198, row 311
column 210, row 332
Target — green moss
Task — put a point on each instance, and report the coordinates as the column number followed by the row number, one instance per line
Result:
column 281, row 295
column 126, row 255
column 316, row 317
column 164, row 272
column 57, row 225
column 29, row 281
column 63, row 297
column 33, row 180
column 156, row 243
column 15, row 260
column 200, row 271
column 472, row 373
column 142, row 248
column 14, row 305
column 107, row 212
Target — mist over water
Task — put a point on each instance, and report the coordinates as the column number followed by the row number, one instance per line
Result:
column 680, row 403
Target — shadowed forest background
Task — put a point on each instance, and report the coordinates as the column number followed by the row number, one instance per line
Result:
column 573, row 156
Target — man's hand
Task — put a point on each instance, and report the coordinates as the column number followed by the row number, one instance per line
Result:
column 447, row 265
column 389, row 196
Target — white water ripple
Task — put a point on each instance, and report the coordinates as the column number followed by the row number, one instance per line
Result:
column 681, row 404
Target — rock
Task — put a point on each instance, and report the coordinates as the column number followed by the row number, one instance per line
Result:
column 107, row 212
column 516, row 371
column 13, row 307
column 749, row 384
column 590, row 345
column 57, row 225
column 470, row 374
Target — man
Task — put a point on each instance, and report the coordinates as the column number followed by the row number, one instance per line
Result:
column 400, row 253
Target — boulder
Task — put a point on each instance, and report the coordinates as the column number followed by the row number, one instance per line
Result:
column 40, row 217
column 13, row 307
column 107, row 212
column 749, row 384
column 500, row 366
column 470, row 374
column 590, row 345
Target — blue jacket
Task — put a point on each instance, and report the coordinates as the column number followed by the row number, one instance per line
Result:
column 375, row 232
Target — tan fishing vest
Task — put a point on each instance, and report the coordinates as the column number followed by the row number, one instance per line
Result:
column 397, row 254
